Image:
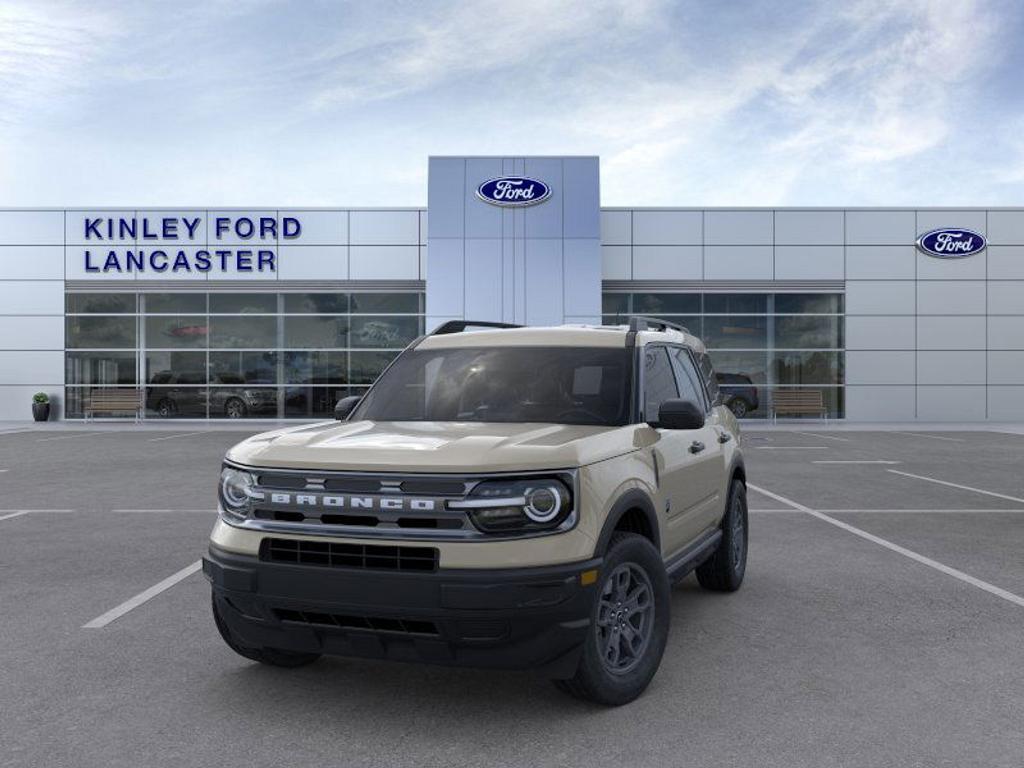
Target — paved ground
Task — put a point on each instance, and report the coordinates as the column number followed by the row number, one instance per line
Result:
column 895, row 640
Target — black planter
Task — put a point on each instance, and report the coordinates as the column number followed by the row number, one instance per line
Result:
column 41, row 411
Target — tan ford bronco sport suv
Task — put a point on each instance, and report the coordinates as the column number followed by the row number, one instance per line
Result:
column 505, row 497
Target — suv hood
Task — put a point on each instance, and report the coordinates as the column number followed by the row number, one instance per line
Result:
column 412, row 446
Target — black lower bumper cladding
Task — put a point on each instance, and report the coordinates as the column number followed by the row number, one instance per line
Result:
column 523, row 618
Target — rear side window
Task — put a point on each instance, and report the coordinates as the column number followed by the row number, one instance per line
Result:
column 689, row 381
column 710, row 380
column 659, row 381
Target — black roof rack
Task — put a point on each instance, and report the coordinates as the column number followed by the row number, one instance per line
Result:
column 458, row 326
column 645, row 323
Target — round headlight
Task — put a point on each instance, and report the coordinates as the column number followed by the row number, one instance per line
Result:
column 236, row 488
column 543, row 503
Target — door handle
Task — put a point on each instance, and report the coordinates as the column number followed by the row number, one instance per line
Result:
column 724, row 437
column 696, row 446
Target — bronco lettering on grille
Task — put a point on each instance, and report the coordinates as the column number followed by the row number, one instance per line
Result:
column 381, row 503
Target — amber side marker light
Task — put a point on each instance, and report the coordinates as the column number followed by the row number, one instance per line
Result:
column 588, row 577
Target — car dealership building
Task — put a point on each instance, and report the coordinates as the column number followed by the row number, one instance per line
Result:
column 867, row 314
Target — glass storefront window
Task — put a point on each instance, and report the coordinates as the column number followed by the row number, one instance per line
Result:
column 175, row 303
column 315, row 303
column 234, row 355
column 99, row 332
column 175, row 367
column 100, row 303
column 735, row 332
column 735, row 303
column 228, row 332
column 381, row 332
column 666, row 304
column 100, row 368
column 807, row 367
column 243, row 367
column 243, row 303
column 809, row 303
column 176, row 332
column 808, row 332
column 315, row 332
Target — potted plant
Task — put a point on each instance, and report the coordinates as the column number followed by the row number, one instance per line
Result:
column 41, row 406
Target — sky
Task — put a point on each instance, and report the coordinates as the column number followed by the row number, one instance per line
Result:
column 260, row 103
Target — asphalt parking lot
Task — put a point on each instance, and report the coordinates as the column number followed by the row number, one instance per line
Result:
column 881, row 624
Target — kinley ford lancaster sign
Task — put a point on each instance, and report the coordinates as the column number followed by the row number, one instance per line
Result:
column 182, row 246
column 951, row 243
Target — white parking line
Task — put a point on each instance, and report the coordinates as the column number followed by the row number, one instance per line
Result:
column 14, row 514
column 824, row 437
column 173, row 437
column 5, row 470
column 793, row 447
column 931, row 437
column 927, row 511
column 956, row 574
column 209, row 511
column 9, row 513
column 67, row 437
column 854, row 461
column 956, row 485
column 143, row 597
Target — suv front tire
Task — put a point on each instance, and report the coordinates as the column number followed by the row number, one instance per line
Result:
column 629, row 625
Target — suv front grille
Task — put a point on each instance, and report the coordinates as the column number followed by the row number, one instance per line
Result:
column 370, row 623
column 329, row 554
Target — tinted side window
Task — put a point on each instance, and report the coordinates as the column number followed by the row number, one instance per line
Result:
column 710, row 380
column 659, row 381
column 689, row 382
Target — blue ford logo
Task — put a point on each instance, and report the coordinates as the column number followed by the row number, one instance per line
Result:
column 951, row 243
column 515, row 191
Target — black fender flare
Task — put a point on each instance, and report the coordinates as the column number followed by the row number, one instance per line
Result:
column 634, row 498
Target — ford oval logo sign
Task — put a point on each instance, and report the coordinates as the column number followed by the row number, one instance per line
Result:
column 951, row 243
column 513, row 191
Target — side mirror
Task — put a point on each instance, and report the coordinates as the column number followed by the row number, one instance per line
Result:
column 345, row 407
column 679, row 414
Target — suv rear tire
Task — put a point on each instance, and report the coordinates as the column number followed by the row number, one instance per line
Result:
column 724, row 570
column 629, row 625
column 274, row 657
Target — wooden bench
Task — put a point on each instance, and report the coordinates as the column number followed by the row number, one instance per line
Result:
column 114, row 401
column 799, row 402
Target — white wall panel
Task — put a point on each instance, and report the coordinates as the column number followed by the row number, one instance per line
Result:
column 809, row 262
column 879, row 297
column 1006, row 297
column 880, row 228
column 967, row 268
column 808, row 227
column 483, row 279
column 582, row 276
column 16, row 401
column 1006, row 403
column 742, row 262
column 885, row 403
column 1006, row 333
column 31, row 227
column 965, row 332
column 36, row 368
column 667, row 227
column 32, row 332
column 445, row 276
column 1006, row 262
column 1006, row 367
column 383, row 262
column 667, row 262
column 616, row 228
column 951, row 403
column 384, row 227
column 313, row 262
column 880, row 262
column 616, row 262
column 318, row 227
column 950, row 367
column 948, row 297
column 881, row 332
column 544, row 282
column 738, row 228
column 31, row 262
column 1006, row 227
column 31, row 297
column 879, row 367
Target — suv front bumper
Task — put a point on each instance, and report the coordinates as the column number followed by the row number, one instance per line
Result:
column 522, row 618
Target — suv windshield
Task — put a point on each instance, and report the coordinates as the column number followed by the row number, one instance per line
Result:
column 560, row 385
